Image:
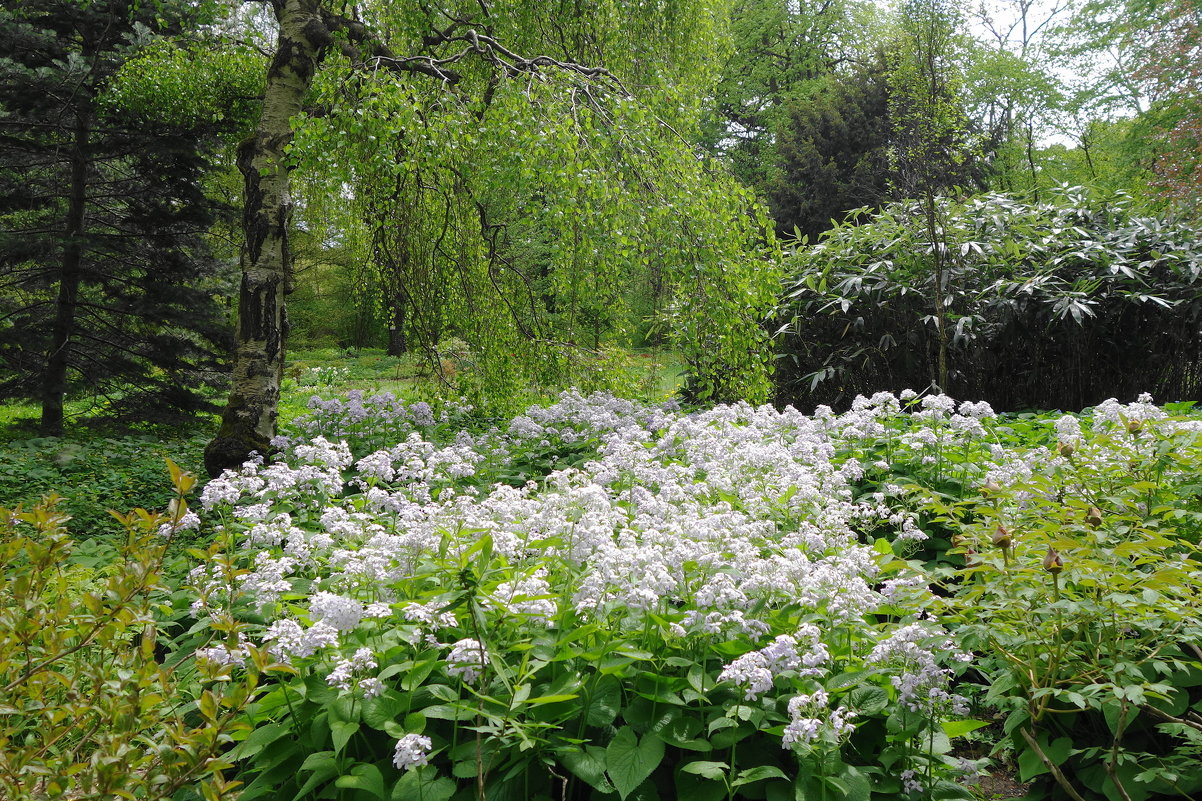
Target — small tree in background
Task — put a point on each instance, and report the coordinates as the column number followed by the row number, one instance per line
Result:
column 931, row 130
column 833, row 153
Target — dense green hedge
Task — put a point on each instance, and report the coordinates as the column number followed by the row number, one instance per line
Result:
column 1058, row 304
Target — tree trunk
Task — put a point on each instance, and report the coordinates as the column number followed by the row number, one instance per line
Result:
column 54, row 380
column 937, row 244
column 397, row 344
column 249, row 421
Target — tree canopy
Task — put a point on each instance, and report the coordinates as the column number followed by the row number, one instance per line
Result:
column 527, row 161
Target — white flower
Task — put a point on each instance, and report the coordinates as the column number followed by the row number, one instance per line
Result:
column 466, row 660
column 412, row 750
column 340, row 612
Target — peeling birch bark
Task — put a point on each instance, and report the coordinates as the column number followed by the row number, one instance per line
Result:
column 249, row 421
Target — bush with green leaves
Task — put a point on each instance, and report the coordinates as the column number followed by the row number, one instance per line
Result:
column 1057, row 304
column 1081, row 591
column 87, row 709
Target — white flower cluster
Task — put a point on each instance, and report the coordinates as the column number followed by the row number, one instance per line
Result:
column 412, row 750
column 916, row 652
column 811, row 718
column 703, row 524
column 755, row 671
column 467, row 660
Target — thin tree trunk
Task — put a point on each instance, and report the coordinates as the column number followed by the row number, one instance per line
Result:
column 249, row 421
column 1031, row 161
column 397, row 344
column 54, row 380
column 937, row 243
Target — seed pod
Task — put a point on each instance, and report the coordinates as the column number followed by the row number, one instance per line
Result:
column 1094, row 517
column 1001, row 538
column 1052, row 562
column 1065, row 449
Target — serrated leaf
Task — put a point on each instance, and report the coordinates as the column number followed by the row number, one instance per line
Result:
column 604, row 702
column 588, row 765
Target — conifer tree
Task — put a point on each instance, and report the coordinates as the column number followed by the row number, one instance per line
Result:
column 106, row 283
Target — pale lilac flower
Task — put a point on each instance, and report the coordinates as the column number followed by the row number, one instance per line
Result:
column 412, row 750
column 345, row 670
column 466, row 660
column 338, row 611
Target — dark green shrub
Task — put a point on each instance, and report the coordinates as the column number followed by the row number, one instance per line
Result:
column 1059, row 304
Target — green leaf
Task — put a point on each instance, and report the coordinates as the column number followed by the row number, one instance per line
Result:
column 604, row 702
column 758, row 774
column 551, row 699
column 859, row 787
column 959, row 728
column 386, row 707
column 588, row 765
column 868, row 700
column 710, row 770
column 629, row 760
column 259, row 738
column 341, row 731
column 318, row 760
column 364, row 777
column 317, row 778
column 422, row 783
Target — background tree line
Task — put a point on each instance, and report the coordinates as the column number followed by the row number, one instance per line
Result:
column 540, row 181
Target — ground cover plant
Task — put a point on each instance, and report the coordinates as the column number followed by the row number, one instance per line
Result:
column 607, row 597
column 602, row 596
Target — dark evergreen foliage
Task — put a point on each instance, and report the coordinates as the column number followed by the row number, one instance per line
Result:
column 832, row 153
column 106, row 283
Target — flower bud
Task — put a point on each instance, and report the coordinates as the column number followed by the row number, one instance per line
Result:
column 1065, row 449
column 989, row 488
column 1134, row 426
column 1001, row 537
column 1094, row 517
column 1052, row 562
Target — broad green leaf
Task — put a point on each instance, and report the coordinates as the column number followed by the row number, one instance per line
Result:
column 758, row 774
column 341, row 731
column 629, row 760
column 958, row 728
column 604, row 701
column 588, row 765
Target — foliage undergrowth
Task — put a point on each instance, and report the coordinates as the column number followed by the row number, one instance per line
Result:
column 1051, row 305
column 603, row 598
column 94, row 474
column 89, row 707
